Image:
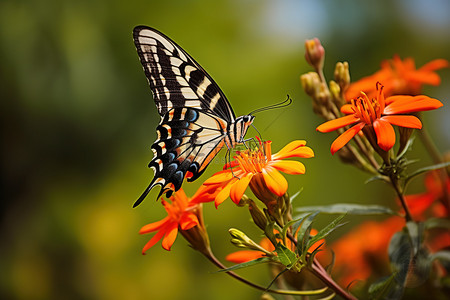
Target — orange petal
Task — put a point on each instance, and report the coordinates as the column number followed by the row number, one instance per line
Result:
column 243, row 256
column 417, row 103
column 223, row 194
column 289, row 148
column 347, row 109
column 425, row 78
column 170, row 236
column 180, row 196
column 302, row 151
column 238, row 189
column 276, row 183
column 385, row 134
column 403, row 121
column 337, row 123
column 153, row 241
column 398, row 98
column 188, row 220
column 289, row 166
column 219, row 177
column 344, row 138
column 206, row 193
column 435, row 65
column 154, row 226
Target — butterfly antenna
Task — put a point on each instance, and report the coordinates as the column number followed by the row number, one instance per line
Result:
column 282, row 104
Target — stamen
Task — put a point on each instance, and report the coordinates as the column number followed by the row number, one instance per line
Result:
column 268, row 150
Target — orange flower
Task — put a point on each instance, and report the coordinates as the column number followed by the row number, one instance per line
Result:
column 260, row 169
column 399, row 77
column 357, row 256
column 182, row 214
column 380, row 114
column 432, row 202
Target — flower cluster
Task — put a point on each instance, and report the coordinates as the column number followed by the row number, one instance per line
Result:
column 407, row 245
column 378, row 114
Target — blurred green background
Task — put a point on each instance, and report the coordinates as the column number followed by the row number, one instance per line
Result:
column 78, row 121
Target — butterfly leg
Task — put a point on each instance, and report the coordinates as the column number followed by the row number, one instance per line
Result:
column 228, row 162
column 253, row 140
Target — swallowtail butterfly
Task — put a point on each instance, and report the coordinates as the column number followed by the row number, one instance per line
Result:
column 196, row 118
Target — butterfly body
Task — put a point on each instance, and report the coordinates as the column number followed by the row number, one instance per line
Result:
column 196, row 118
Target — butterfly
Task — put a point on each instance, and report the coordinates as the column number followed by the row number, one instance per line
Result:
column 196, row 118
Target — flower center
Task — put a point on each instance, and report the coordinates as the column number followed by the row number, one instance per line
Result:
column 369, row 110
column 254, row 161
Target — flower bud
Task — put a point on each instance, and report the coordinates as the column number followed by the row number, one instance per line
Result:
column 311, row 84
column 323, row 95
column 241, row 240
column 335, row 91
column 257, row 215
column 315, row 53
column 342, row 75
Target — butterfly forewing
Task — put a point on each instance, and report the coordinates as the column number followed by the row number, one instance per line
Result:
column 175, row 78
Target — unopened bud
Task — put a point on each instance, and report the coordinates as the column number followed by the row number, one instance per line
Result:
column 342, row 75
column 257, row 215
column 324, row 95
column 311, row 84
column 244, row 201
column 241, row 240
column 315, row 53
column 335, row 91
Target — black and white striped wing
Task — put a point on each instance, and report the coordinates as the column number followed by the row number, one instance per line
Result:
column 175, row 78
column 195, row 114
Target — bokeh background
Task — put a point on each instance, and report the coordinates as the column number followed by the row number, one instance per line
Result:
column 78, row 120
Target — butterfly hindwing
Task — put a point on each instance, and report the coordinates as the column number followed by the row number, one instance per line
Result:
column 175, row 78
column 188, row 139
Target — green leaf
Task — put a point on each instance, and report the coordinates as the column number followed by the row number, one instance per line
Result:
column 377, row 177
column 303, row 233
column 257, row 261
column 287, row 226
column 437, row 223
column 276, row 277
column 349, row 208
column 286, row 256
column 335, row 224
column 379, row 289
column 293, row 197
column 426, row 169
column 299, row 220
column 313, row 255
column 406, row 148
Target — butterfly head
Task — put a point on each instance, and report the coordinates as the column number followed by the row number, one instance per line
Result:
column 242, row 124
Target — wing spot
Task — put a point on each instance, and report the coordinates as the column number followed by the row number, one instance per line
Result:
column 162, row 145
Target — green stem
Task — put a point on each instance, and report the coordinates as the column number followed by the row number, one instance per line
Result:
column 216, row 262
column 400, row 195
